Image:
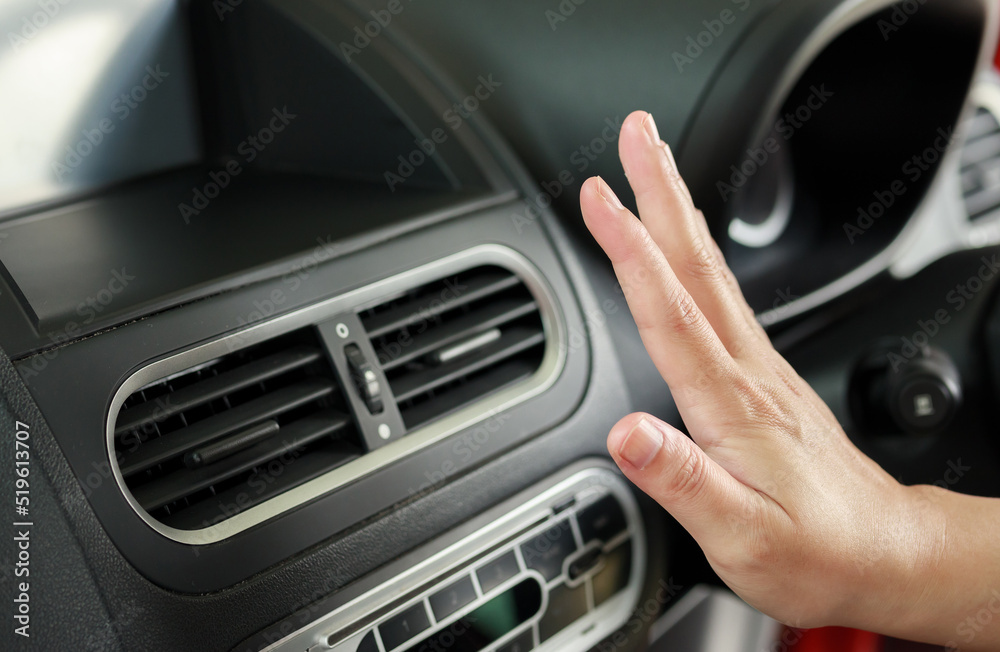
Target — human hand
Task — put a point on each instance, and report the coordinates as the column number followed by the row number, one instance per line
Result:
column 790, row 514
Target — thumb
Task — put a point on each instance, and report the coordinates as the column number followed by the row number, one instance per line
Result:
column 662, row 461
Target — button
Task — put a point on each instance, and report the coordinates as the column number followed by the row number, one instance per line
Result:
column 498, row 571
column 585, row 563
column 364, row 377
column 925, row 404
column 477, row 630
column 614, row 576
column 368, row 643
column 452, row 598
column 547, row 551
column 566, row 606
column 603, row 520
column 524, row 642
column 404, row 626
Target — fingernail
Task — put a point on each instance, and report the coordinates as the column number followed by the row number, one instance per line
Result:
column 642, row 444
column 608, row 194
column 669, row 153
column 650, row 126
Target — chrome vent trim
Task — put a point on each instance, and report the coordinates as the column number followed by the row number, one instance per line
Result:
column 448, row 343
column 193, row 442
column 552, row 362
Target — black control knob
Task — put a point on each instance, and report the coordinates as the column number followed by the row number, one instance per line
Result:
column 925, row 394
column 915, row 395
column 364, row 377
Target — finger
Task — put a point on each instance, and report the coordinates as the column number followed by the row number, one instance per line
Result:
column 677, row 336
column 666, row 209
column 734, row 287
column 704, row 498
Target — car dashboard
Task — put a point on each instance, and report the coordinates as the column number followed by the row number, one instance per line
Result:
column 307, row 348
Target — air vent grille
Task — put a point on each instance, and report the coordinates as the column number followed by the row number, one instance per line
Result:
column 981, row 164
column 199, row 446
column 448, row 343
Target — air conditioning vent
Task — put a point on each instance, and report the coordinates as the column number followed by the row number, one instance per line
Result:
column 206, row 443
column 448, row 343
column 981, row 164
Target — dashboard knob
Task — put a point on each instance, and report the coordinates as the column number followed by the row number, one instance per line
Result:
column 924, row 393
column 917, row 395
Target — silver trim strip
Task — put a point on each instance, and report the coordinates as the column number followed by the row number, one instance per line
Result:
column 766, row 233
column 457, row 558
column 709, row 619
column 943, row 226
column 468, row 346
column 845, row 16
column 551, row 366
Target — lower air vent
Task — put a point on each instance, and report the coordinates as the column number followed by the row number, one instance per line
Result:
column 981, row 164
column 448, row 343
column 211, row 441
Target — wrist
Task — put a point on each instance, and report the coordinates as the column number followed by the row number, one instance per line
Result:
column 891, row 589
column 920, row 598
column 904, row 581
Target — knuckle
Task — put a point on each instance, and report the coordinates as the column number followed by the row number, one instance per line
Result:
column 701, row 265
column 788, row 376
column 763, row 403
column 773, row 417
column 688, row 475
column 686, row 316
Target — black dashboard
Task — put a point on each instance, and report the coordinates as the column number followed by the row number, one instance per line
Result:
column 308, row 349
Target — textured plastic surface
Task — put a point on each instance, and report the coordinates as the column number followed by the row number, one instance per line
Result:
column 74, row 394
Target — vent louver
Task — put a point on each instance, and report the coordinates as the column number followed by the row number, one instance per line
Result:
column 203, row 444
column 448, row 343
column 981, row 164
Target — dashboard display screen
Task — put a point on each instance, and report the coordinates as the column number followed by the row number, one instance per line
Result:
column 94, row 93
column 488, row 623
column 152, row 154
